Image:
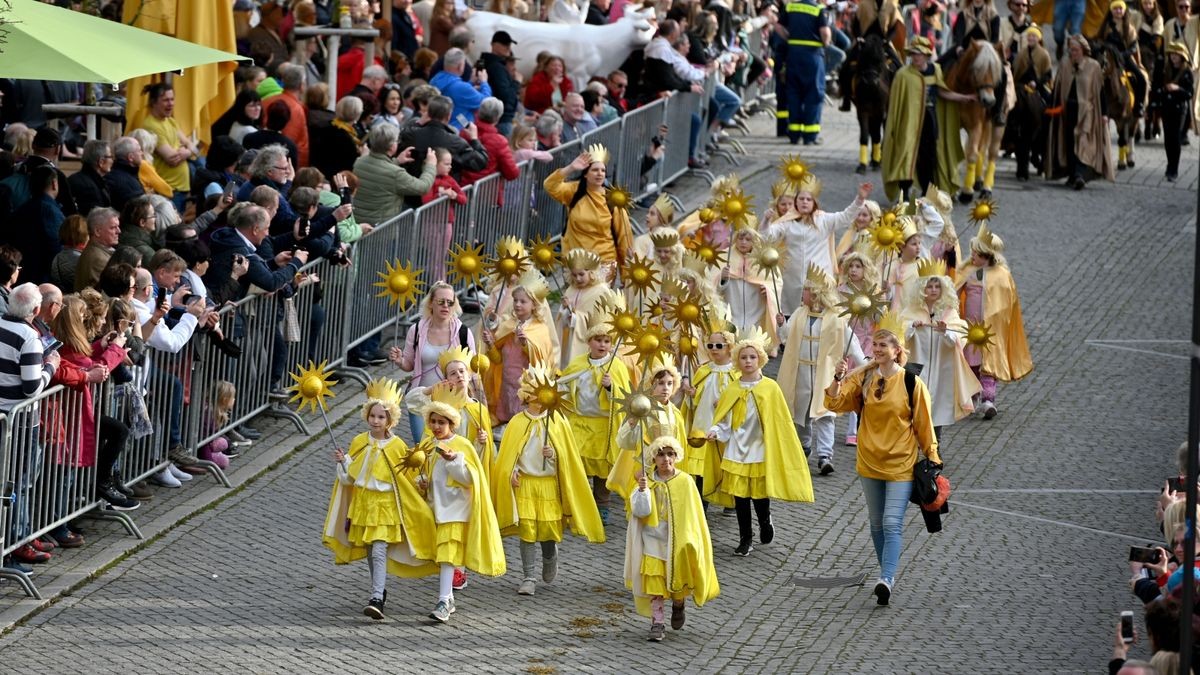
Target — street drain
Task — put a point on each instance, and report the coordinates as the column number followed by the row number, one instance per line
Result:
column 829, row 582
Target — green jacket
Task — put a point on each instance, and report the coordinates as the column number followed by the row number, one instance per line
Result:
column 383, row 185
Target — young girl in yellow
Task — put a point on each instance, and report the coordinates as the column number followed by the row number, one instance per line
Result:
column 700, row 400
column 633, row 437
column 762, row 461
column 660, row 214
column 500, row 294
column 592, row 381
column 580, row 299
column 521, row 339
column 538, row 485
column 751, row 296
column 467, row 534
column 668, row 551
column 375, row 511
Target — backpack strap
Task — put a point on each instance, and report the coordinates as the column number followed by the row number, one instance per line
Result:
column 910, row 385
column 462, row 335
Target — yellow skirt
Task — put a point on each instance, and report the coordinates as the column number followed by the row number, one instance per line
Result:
column 744, row 480
column 373, row 516
column 654, row 579
column 450, row 547
column 539, row 507
column 597, row 446
column 693, row 460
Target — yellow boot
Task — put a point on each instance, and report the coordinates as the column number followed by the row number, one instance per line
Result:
column 877, row 153
column 979, row 166
column 1122, row 155
column 967, row 192
column 989, row 178
column 862, row 159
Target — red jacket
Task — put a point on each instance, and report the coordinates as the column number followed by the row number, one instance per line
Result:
column 539, row 91
column 499, row 157
column 350, row 69
column 59, row 413
column 297, row 126
column 440, row 182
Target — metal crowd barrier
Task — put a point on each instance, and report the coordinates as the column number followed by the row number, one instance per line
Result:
column 549, row 217
column 367, row 315
column 639, row 127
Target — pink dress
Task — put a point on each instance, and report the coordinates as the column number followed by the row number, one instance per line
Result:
column 973, row 313
column 515, row 361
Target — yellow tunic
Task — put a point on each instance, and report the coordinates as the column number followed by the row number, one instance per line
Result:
column 474, row 418
column 400, row 513
column 592, row 422
column 179, row 176
column 668, row 551
column 631, row 457
column 473, row 542
column 890, row 433
column 590, row 224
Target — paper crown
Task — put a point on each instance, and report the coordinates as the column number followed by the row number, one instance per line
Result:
column 510, row 246
column 663, row 365
column 892, row 323
column 581, row 259
column 908, row 228
column 931, row 268
column 598, row 153
column 694, row 264
column 383, row 389
column 666, row 209
column 756, row 338
column 596, row 322
column 810, row 184
column 986, row 242
column 664, row 237
column 673, row 286
column 782, row 188
column 725, row 183
column 817, row 277
column 456, row 353
column 713, row 323
column 939, row 199
column 447, row 401
column 535, row 284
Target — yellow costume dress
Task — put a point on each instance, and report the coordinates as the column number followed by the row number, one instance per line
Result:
column 591, row 224
column 374, row 500
column 509, row 360
column 592, row 422
column 668, row 551
column 467, row 533
column 501, row 304
column 710, row 381
column 551, row 492
column 623, row 477
column 1008, row 358
column 761, row 460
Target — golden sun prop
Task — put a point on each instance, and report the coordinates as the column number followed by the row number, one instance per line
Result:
column 685, row 311
column 887, row 235
column 794, row 170
column 650, row 342
column 544, row 391
column 639, row 273
column 979, row 335
column 736, row 208
column 312, row 386
column 705, row 250
column 983, row 211
column 401, row 284
column 618, row 198
column 543, row 255
column 768, row 257
column 466, row 263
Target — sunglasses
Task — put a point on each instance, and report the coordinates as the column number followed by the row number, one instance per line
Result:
column 715, row 345
column 879, row 389
column 444, row 302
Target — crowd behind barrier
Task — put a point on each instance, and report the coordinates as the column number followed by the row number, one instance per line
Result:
column 47, row 477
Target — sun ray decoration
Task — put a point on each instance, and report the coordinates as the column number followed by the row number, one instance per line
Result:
column 466, row 263
column 401, row 284
column 618, row 197
column 769, row 257
column 312, row 386
column 543, row 255
column 705, row 250
column 686, row 311
column 623, row 324
column 736, row 208
column 651, row 342
column 508, row 262
column 864, row 304
column 982, row 211
column 707, row 213
column 794, row 170
column 979, row 335
column 544, row 390
column 887, row 236
column 640, row 275
column 639, row 406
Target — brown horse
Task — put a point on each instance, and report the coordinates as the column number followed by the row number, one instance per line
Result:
column 978, row 71
column 1119, row 101
column 870, row 82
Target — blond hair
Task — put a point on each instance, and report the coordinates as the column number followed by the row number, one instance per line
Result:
column 427, row 301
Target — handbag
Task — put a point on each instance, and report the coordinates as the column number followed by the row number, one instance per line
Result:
column 931, row 492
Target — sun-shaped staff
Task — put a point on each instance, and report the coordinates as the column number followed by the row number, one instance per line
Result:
column 768, row 257
column 466, row 263
column 864, row 303
column 650, row 342
column 887, row 235
column 623, row 324
column 685, row 311
column 736, row 208
column 794, row 170
column 618, row 197
column 983, row 211
column 707, row 213
column 400, row 284
column 704, row 249
column 543, row 255
column 508, row 263
column 637, row 405
column 480, row 363
column 544, row 390
column 979, row 335
column 312, row 386
column 639, row 273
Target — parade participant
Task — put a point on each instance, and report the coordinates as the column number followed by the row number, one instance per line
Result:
column 894, row 428
column 454, row 366
column 881, row 19
column 858, row 268
column 929, row 19
column 668, row 260
column 988, row 294
column 592, row 380
column 375, row 511
column 859, row 233
column 1119, row 34
column 807, row 30
column 943, row 246
column 934, row 337
column 521, row 339
column 1185, row 28
column 716, row 231
column 633, row 437
column 902, row 273
column 700, row 400
column 1077, row 139
column 977, row 20
column 586, row 289
column 660, row 214
column 500, row 294
column 921, row 142
column 457, row 489
column 782, row 195
column 1147, row 19
column 808, row 233
column 818, row 339
column 762, row 461
column 749, row 295
column 538, row 484
column 1013, row 27
column 591, row 223
column 1032, row 74
column 1177, row 91
column 668, row 551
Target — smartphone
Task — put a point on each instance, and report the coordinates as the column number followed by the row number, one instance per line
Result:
column 1127, row 626
column 1140, row 554
column 190, row 298
column 1177, row 483
column 54, row 346
column 345, row 194
column 230, row 188
column 462, row 120
column 162, row 295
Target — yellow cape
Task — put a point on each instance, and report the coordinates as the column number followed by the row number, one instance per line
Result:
column 787, row 470
column 484, row 547
column 902, row 136
column 1008, row 357
column 477, row 417
column 412, row 557
column 690, row 570
column 713, row 450
column 579, row 509
column 581, row 367
column 623, row 476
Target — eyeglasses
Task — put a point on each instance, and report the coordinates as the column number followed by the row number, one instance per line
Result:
column 879, row 389
column 281, row 168
column 715, row 345
column 444, row 302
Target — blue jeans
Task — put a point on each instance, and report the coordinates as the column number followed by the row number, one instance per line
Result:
column 724, row 104
column 367, row 347
column 416, row 424
column 1068, row 19
column 176, row 412
column 27, row 473
column 694, row 136
column 886, row 501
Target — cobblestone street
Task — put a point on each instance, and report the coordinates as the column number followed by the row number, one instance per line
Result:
column 1029, row 574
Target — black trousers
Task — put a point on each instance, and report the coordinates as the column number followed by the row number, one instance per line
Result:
column 1175, row 119
column 112, row 435
column 926, row 169
column 762, row 509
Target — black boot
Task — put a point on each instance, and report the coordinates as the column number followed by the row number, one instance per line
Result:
column 766, row 529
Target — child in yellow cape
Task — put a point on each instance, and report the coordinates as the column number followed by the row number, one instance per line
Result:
column 762, row 461
column 668, row 551
column 585, row 292
column 375, row 511
column 522, row 338
column 592, row 381
column 538, row 483
column 700, row 400
column 987, row 293
column 634, row 437
column 467, row 533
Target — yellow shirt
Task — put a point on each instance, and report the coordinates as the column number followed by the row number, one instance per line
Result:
column 153, row 182
column 168, row 132
column 590, row 224
column 890, row 434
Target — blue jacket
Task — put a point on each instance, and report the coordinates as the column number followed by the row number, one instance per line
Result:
column 466, row 98
column 225, row 243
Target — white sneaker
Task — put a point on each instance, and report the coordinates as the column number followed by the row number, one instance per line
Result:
column 165, row 479
column 179, row 474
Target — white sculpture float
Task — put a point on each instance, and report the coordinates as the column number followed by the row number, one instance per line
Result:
column 586, row 50
column 568, row 11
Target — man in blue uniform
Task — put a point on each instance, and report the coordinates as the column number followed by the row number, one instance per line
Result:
column 808, row 34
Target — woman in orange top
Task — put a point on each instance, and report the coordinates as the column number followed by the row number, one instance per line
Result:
column 591, row 224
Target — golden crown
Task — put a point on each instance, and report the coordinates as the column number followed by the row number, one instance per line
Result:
column 510, row 246
column 598, row 153
column 931, row 268
column 581, row 259
column 384, row 389
column 456, row 353
column 535, row 284
column 666, row 209
column 448, row 395
column 892, row 323
column 817, row 277
column 664, row 237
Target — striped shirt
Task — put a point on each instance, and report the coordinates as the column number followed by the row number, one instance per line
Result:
column 23, row 374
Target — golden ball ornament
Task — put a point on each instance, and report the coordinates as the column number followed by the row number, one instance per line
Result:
column 639, row 406
column 888, row 219
column 546, row 397
column 860, row 305
column 399, row 284
column 977, row 335
column 688, row 345
column 707, row 215
column 689, row 312
column 648, row 343
column 697, row 439
column 480, row 363
column 886, row 236
column 626, row 323
column 769, row 257
column 415, row 459
column 641, row 276
column 735, row 207
column 312, row 386
column 508, row 267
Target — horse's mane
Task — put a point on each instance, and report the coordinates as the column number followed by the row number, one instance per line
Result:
column 987, row 66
